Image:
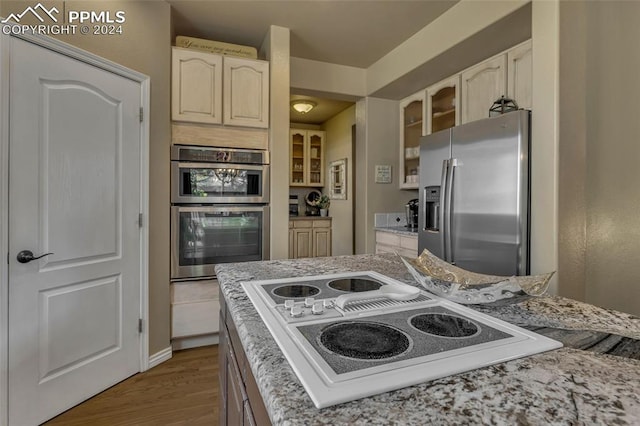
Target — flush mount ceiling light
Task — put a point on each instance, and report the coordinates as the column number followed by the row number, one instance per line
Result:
column 303, row 106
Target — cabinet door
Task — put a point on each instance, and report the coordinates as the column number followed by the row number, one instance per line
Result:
column 411, row 130
column 321, row 242
column 246, row 92
column 297, row 156
column 482, row 85
column 315, row 155
column 223, row 349
column 196, row 86
column 302, row 242
column 520, row 71
column 443, row 105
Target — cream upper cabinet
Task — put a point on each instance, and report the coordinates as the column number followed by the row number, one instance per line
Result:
column 443, row 105
column 246, row 92
column 306, row 157
column 214, row 89
column 196, row 87
column 411, row 129
column 481, row 86
column 520, row 74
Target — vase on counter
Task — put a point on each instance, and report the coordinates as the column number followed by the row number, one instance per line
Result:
column 324, row 212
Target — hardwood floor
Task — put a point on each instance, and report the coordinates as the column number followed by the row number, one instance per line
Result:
column 183, row 390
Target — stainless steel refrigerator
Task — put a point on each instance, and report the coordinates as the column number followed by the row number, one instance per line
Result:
column 474, row 195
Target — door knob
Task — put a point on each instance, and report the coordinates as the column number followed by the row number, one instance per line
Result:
column 26, row 256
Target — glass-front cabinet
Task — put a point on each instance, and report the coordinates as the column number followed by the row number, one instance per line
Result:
column 443, row 105
column 411, row 130
column 306, row 162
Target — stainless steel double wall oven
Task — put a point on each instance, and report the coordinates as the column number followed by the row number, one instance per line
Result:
column 219, row 210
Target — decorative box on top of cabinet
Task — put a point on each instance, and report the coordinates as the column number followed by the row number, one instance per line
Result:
column 214, row 89
column 411, row 130
column 306, row 157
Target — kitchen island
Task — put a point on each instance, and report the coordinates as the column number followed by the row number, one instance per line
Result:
column 564, row 386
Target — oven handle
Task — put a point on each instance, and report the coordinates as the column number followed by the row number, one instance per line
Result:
column 220, row 209
column 181, row 165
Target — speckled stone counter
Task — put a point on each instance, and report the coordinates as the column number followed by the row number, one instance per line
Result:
column 562, row 387
column 401, row 230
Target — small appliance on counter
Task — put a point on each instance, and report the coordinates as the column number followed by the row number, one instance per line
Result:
column 293, row 205
column 412, row 213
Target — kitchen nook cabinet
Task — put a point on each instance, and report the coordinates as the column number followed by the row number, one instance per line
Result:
column 411, row 130
column 214, row 89
column 482, row 85
column 306, row 157
column 443, row 105
column 520, row 74
column 309, row 237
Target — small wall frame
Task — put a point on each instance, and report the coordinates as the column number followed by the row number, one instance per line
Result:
column 338, row 179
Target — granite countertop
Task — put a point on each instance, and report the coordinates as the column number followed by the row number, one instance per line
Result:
column 567, row 386
column 402, row 230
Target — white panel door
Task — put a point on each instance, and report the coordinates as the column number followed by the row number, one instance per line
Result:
column 196, row 86
column 520, row 69
column 482, row 85
column 246, row 92
column 74, row 192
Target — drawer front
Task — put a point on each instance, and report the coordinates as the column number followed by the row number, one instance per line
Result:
column 194, row 291
column 192, row 319
column 303, row 224
column 409, row 243
column 322, row 224
column 387, row 238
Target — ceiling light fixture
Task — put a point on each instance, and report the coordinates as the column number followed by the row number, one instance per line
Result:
column 303, row 106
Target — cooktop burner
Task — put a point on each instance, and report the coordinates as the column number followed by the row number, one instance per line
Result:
column 444, row 325
column 374, row 343
column 296, row 291
column 364, row 340
column 354, row 284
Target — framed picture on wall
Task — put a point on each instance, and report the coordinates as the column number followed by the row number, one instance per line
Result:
column 338, row 179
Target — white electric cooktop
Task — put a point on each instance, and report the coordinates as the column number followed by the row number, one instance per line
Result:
column 377, row 345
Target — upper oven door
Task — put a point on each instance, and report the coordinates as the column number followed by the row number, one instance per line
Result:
column 210, row 183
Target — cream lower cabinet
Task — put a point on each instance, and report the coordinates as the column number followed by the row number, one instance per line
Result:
column 195, row 308
column 404, row 245
column 309, row 238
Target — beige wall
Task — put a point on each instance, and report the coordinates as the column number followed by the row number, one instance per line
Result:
column 275, row 49
column 376, row 144
column 599, row 191
column 145, row 47
column 572, row 208
column 339, row 146
column 613, row 154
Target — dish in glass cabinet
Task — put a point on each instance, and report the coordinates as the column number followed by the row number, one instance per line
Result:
column 462, row 286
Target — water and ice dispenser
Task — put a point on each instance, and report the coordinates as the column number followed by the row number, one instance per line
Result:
column 432, row 208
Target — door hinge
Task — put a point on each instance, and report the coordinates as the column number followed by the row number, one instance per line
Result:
column 139, row 220
column 140, row 325
column 141, row 114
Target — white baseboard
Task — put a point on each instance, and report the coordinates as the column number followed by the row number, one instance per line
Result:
column 160, row 357
column 195, row 341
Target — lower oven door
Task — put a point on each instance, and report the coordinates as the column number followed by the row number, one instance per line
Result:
column 204, row 236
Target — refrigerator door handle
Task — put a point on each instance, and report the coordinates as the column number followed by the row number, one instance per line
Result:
column 443, row 208
column 449, row 256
